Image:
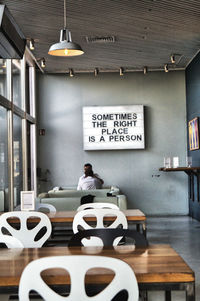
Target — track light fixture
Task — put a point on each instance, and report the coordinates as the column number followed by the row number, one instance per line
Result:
column 145, row 70
column 31, row 44
column 173, row 59
column 166, row 68
column 121, row 71
column 96, row 71
column 71, row 73
column 43, row 63
column 65, row 47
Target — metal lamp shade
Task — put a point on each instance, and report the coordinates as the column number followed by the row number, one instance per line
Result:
column 65, row 47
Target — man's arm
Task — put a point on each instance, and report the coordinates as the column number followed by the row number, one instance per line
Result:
column 98, row 178
column 79, row 185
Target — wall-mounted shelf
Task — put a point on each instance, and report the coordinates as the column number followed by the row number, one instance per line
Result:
column 191, row 172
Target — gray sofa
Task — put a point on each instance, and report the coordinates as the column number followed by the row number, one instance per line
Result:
column 69, row 199
column 72, row 203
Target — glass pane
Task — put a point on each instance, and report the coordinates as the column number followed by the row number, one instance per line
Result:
column 16, row 66
column 3, row 160
column 29, row 155
column 27, row 90
column 17, row 145
column 3, row 86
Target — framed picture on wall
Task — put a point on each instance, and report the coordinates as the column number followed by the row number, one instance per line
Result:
column 193, row 127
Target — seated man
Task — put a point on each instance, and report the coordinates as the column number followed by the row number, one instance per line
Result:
column 89, row 180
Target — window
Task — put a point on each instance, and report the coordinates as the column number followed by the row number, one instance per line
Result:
column 16, row 76
column 17, row 146
column 3, row 85
column 3, row 158
column 17, row 130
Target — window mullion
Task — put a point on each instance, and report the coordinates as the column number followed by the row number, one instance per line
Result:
column 10, row 205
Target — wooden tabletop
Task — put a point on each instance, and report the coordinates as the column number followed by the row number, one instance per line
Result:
column 68, row 216
column 133, row 215
column 155, row 264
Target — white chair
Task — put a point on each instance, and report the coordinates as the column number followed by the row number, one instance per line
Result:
column 97, row 206
column 25, row 235
column 99, row 214
column 49, row 207
column 77, row 266
column 11, row 242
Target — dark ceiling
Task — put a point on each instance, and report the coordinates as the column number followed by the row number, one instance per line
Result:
column 146, row 32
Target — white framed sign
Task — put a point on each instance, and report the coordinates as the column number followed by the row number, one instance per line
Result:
column 27, row 200
column 113, row 127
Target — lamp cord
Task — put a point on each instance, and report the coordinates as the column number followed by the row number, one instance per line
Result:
column 65, row 17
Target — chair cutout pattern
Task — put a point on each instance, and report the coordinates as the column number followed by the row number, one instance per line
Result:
column 97, row 206
column 108, row 237
column 40, row 206
column 99, row 214
column 11, row 242
column 25, row 235
column 124, row 278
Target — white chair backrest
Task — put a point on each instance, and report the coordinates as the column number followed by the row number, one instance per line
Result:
column 99, row 214
column 124, row 278
column 97, row 206
column 40, row 206
column 11, row 242
column 25, row 235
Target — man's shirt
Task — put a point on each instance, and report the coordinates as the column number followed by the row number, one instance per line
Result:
column 88, row 183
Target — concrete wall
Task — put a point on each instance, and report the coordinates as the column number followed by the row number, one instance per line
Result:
column 60, row 151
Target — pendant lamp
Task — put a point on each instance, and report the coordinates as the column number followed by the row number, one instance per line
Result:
column 65, row 47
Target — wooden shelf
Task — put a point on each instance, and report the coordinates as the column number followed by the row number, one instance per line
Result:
column 191, row 172
column 186, row 169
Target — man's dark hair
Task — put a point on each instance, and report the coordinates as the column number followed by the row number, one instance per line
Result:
column 88, row 164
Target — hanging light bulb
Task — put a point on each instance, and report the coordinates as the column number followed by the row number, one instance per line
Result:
column 65, row 47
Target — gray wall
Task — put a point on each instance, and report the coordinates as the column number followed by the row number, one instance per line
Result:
column 60, row 151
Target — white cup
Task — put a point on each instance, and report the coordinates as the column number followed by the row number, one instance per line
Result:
column 167, row 162
column 175, row 162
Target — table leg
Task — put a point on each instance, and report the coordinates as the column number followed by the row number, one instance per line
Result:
column 168, row 296
column 138, row 227
column 144, row 230
column 190, row 292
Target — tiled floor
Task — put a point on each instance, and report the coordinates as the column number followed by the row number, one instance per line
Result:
column 183, row 234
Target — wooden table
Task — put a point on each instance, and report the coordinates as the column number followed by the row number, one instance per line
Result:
column 134, row 216
column 64, row 218
column 158, row 267
column 191, row 172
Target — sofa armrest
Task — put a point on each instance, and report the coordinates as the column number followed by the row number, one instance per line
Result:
column 43, row 195
column 121, row 201
column 114, row 190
